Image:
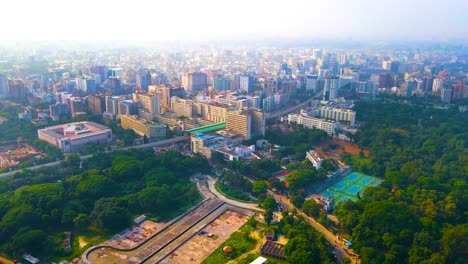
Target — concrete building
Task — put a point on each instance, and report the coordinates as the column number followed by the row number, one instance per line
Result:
column 182, row 107
column 331, row 87
column 437, row 85
column 312, row 122
column 446, row 94
column 97, row 103
column 223, row 141
column 195, row 82
column 241, row 122
column 258, row 122
column 314, row 158
column 3, row 86
column 128, row 107
column 143, row 127
column 213, row 112
column 57, row 110
column 246, row 84
column 311, row 83
column 74, row 136
column 337, row 114
column 149, row 102
column 221, row 83
column 112, row 104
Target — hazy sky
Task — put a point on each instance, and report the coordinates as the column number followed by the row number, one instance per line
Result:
column 153, row 20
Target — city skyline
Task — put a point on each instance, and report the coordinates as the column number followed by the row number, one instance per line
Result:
column 208, row 20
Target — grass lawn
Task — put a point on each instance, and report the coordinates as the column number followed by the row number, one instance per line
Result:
column 239, row 240
column 233, row 194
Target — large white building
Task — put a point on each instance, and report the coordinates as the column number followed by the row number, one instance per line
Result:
column 337, row 114
column 314, row 158
column 73, row 136
column 312, row 122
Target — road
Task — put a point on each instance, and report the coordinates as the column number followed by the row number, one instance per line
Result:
column 292, row 109
column 249, row 206
column 56, row 163
column 339, row 246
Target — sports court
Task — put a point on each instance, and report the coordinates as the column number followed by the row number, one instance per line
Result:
column 350, row 186
column 283, row 178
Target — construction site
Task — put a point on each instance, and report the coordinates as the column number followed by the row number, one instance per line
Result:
column 14, row 154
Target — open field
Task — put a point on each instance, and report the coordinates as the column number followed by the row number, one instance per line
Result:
column 326, row 151
column 201, row 246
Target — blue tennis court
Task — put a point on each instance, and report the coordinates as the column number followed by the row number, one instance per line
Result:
column 349, row 187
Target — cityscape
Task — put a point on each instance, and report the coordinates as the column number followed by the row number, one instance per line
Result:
column 260, row 133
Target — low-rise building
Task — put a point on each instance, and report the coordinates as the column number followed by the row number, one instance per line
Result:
column 73, row 136
column 314, row 158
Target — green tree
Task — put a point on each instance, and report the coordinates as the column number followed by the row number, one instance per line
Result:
column 108, row 213
column 259, row 187
column 311, row 208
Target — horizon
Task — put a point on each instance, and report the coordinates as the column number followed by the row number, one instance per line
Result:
column 144, row 21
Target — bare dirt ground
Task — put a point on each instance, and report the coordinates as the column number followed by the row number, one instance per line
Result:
column 135, row 235
column 201, row 246
column 343, row 146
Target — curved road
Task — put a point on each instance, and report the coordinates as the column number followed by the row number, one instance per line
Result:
column 211, row 185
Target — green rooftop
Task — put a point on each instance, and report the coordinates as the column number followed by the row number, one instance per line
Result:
column 208, row 128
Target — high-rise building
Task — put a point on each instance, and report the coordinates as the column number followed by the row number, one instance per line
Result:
column 346, row 82
column 101, row 71
column 112, row 85
column 240, row 121
column 446, row 95
column 86, row 85
column 258, row 122
column 437, row 85
column 128, row 107
column 317, row 53
column 246, row 83
column 77, row 106
column 97, row 103
column 341, row 59
column 143, row 80
column 311, row 83
column 385, row 80
column 57, row 110
column 428, row 81
column 235, row 82
column 330, row 91
column 112, row 104
column 221, row 83
column 17, row 89
column 182, row 107
column 3, row 86
column 149, row 102
column 387, row 65
column 197, row 81
column 395, row 67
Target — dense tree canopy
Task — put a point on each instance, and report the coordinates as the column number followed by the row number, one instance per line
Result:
column 36, row 208
column 418, row 214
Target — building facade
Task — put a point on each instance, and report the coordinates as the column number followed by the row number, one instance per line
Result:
column 74, row 136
